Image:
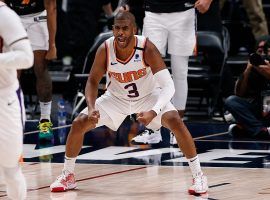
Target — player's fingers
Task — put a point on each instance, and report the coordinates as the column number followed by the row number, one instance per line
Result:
column 96, row 114
column 141, row 120
column 140, row 114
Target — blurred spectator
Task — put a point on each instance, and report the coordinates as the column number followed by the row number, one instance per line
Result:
column 254, row 10
column 82, row 17
column 252, row 90
column 39, row 20
column 136, row 7
column 213, row 15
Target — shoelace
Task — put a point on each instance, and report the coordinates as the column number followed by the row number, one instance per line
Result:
column 45, row 126
column 63, row 176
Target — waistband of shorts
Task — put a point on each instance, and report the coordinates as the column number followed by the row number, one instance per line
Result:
column 32, row 15
column 11, row 88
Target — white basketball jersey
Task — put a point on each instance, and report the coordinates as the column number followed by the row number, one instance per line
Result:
column 130, row 79
column 9, row 76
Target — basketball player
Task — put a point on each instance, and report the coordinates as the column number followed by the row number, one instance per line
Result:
column 15, row 53
column 39, row 20
column 171, row 26
column 138, row 83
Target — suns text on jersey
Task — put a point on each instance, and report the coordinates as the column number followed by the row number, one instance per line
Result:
column 129, row 76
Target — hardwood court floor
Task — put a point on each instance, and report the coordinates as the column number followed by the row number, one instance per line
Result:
column 128, row 182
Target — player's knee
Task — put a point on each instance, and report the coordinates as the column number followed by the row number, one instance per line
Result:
column 77, row 124
column 171, row 120
column 81, row 124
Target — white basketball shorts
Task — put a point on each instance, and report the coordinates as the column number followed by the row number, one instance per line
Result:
column 36, row 28
column 12, row 118
column 113, row 110
column 175, row 31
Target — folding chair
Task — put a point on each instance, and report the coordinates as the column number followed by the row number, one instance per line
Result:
column 81, row 79
column 206, row 70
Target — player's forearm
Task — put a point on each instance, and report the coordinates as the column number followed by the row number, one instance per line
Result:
column 91, row 92
column 50, row 6
column 20, row 57
column 165, row 81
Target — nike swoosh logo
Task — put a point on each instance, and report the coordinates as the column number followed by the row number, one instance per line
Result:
column 9, row 103
column 112, row 63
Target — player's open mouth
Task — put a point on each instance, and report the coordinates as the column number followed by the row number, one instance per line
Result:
column 121, row 40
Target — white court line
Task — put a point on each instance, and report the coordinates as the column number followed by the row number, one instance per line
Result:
column 207, row 136
column 37, row 131
column 239, row 141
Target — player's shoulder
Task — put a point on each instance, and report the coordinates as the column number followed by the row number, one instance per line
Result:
column 6, row 12
column 2, row 3
column 149, row 46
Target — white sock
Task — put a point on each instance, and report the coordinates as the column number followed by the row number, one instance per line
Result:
column 69, row 164
column 195, row 166
column 45, row 110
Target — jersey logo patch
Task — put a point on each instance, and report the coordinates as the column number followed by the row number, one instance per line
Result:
column 137, row 58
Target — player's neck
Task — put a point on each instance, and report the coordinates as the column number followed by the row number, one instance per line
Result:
column 124, row 53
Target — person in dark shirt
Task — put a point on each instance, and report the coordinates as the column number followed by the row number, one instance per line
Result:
column 250, row 106
column 39, row 20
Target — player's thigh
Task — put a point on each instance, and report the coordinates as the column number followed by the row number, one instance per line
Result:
column 110, row 112
column 104, row 120
column 37, row 32
column 155, row 31
column 156, row 123
column 181, row 39
column 148, row 103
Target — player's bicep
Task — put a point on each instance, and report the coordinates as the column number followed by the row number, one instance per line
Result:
column 153, row 57
column 99, row 65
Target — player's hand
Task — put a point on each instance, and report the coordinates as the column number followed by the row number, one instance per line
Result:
column 202, row 5
column 146, row 117
column 264, row 69
column 51, row 53
column 93, row 115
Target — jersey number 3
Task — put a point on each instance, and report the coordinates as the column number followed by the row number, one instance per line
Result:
column 133, row 92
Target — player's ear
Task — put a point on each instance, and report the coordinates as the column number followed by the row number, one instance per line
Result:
column 135, row 30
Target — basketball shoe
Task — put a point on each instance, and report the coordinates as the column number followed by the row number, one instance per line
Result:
column 66, row 181
column 172, row 139
column 199, row 185
column 148, row 136
column 45, row 129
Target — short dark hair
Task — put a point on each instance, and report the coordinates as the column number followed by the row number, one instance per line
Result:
column 125, row 15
